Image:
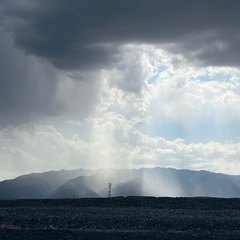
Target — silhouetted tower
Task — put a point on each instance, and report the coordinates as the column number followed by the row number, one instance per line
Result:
column 109, row 189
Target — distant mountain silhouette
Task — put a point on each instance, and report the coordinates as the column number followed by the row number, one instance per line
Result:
column 136, row 182
column 37, row 185
column 77, row 187
column 132, row 187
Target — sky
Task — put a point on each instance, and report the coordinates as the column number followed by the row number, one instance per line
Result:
column 120, row 84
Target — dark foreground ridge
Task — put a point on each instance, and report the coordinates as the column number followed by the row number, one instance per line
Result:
column 121, row 218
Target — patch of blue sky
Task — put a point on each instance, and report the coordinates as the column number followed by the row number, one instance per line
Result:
column 203, row 131
column 170, row 131
column 154, row 78
column 220, row 77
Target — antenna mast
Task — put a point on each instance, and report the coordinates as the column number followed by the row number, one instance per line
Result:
column 109, row 189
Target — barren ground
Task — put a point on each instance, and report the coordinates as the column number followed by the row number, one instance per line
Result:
column 121, row 218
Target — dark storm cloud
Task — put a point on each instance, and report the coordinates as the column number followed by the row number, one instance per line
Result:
column 25, row 88
column 80, row 34
column 86, row 35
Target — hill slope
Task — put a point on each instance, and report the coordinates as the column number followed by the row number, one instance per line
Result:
column 141, row 182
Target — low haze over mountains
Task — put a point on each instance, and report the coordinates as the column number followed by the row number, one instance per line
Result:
column 142, row 182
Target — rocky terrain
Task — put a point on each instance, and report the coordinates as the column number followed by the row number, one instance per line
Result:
column 121, row 218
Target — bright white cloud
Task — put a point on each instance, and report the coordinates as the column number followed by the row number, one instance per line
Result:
column 186, row 118
column 115, row 142
column 185, row 106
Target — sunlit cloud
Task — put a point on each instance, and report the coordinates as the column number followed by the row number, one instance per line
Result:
column 109, row 88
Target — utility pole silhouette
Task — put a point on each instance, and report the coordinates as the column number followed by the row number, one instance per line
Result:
column 109, row 189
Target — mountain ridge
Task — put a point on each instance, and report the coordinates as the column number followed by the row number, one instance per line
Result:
column 159, row 182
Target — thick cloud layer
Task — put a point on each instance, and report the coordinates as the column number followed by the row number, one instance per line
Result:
column 31, row 88
column 120, row 83
column 88, row 34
